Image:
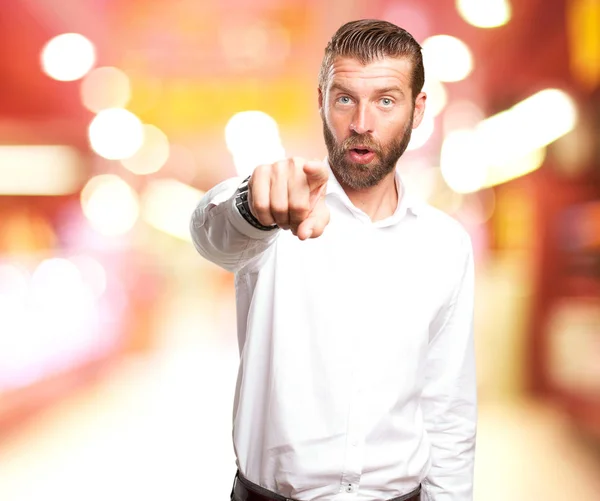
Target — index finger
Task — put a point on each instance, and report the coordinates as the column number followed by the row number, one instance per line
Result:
column 316, row 173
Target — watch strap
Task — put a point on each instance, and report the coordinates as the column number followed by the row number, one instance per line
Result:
column 243, row 207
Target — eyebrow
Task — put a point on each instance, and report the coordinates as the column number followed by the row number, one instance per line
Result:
column 394, row 88
column 385, row 90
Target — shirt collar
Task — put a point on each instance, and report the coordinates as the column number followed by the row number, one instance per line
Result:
column 406, row 201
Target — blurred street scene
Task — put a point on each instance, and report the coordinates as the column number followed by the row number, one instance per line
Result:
column 118, row 347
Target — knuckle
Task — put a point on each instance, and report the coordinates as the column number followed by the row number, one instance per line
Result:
column 297, row 163
column 299, row 208
column 259, row 206
column 261, row 170
column 280, row 167
column 278, row 208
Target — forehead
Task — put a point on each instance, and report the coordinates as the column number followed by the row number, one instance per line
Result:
column 382, row 72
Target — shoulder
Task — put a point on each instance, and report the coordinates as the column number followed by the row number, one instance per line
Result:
column 442, row 231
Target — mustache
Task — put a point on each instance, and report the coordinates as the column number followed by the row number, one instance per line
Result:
column 361, row 140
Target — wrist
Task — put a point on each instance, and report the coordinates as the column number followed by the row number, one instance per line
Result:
column 242, row 203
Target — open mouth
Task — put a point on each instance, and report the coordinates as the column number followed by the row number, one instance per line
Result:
column 361, row 151
column 361, row 155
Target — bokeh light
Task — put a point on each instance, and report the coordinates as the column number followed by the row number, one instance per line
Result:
column 55, row 275
column 13, row 285
column 68, row 57
column 116, row 134
column 47, row 169
column 461, row 114
column 485, row 13
column 105, row 87
column 503, row 169
column 462, row 161
column 153, row 153
column 181, row 163
column 422, row 133
column 255, row 45
column 253, row 139
column 63, row 309
column 110, row 204
column 420, row 179
column 437, row 96
column 528, row 126
column 447, row 58
column 92, row 273
column 167, row 205
column 477, row 208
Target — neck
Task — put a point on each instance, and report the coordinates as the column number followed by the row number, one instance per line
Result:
column 379, row 201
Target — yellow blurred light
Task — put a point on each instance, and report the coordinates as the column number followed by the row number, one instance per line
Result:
column 253, row 139
column 583, row 30
column 446, row 58
column 507, row 145
column 116, row 134
column 104, row 88
column 485, row 13
column 513, row 168
column 446, row 199
column 167, row 205
column 39, row 170
column 528, row 126
column 437, row 96
column 422, row 133
column 110, row 204
column 553, row 113
column 462, row 161
column 153, row 153
column 68, row 57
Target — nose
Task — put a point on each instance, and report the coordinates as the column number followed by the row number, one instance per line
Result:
column 362, row 122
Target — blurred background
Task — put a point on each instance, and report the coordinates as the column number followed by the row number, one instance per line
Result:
column 118, row 350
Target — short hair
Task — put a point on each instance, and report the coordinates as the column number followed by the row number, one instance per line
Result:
column 371, row 39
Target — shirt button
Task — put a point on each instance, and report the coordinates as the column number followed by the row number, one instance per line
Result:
column 349, row 488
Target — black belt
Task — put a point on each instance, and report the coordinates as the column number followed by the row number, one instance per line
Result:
column 244, row 490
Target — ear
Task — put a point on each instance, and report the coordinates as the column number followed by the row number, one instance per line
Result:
column 419, row 110
column 320, row 100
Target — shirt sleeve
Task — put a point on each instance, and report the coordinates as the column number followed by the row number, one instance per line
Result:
column 220, row 233
column 449, row 398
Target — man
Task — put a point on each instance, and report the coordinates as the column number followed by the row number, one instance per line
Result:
column 354, row 300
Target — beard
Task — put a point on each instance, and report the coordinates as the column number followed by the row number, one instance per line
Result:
column 360, row 176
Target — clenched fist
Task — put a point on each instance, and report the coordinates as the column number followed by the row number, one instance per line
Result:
column 291, row 194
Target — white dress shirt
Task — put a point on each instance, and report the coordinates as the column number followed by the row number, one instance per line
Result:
column 356, row 378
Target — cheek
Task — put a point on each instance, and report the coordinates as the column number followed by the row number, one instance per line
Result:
column 337, row 125
column 396, row 126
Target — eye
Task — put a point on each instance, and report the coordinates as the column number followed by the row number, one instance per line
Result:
column 344, row 100
column 386, row 101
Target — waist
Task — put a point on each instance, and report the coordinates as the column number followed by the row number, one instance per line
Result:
column 245, row 490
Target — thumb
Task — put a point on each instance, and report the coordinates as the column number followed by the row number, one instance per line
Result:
column 316, row 173
column 314, row 225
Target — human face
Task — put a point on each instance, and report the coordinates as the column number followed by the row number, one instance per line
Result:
column 368, row 114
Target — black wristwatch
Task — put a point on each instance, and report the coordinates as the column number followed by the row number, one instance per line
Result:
column 241, row 202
